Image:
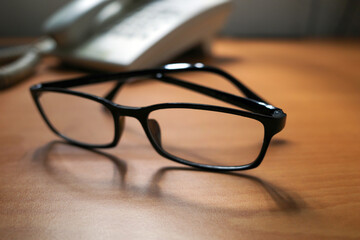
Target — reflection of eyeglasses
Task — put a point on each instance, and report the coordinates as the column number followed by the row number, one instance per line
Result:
column 199, row 135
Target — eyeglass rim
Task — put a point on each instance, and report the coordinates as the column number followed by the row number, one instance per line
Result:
column 271, row 117
column 143, row 115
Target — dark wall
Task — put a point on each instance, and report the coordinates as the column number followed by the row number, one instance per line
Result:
column 284, row 18
column 249, row 18
column 25, row 17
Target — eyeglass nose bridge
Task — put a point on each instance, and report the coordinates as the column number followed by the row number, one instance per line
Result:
column 122, row 112
column 125, row 111
column 150, row 126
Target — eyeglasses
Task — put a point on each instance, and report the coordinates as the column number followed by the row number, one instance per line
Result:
column 204, row 136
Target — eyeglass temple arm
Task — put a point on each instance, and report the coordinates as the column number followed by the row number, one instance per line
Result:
column 196, row 67
column 255, row 105
column 252, row 103
column 245, row 103
column 245, row 90
column 112, row 93
column 123, row 77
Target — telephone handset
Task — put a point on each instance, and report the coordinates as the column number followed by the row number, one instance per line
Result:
column 123, row 34
column 76, row 21
column 118, row 35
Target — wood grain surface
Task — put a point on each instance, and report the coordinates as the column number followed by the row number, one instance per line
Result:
column 308, row 186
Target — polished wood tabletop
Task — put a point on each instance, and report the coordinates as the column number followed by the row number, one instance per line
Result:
column 308, row 186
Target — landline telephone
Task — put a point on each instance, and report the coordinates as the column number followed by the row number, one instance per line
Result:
column 116, row 35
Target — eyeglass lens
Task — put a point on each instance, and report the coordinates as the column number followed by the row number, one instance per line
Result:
column 207, row 137
column 78, row 118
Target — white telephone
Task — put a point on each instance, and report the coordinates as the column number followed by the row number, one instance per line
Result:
column 121, row 35
column 117, row 35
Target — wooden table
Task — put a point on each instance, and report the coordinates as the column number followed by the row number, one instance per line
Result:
column 308, row 186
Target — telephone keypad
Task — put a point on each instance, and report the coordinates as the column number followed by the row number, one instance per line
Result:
column 146, row 21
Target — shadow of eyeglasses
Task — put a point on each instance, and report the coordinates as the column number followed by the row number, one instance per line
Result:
column 42, row 156
column 285, row 201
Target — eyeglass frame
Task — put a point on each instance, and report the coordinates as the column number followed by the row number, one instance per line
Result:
column 272, row 118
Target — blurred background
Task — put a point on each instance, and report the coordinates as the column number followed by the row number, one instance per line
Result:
column 249, row 18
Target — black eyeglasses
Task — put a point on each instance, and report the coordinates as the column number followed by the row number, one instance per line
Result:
column 204, row 136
